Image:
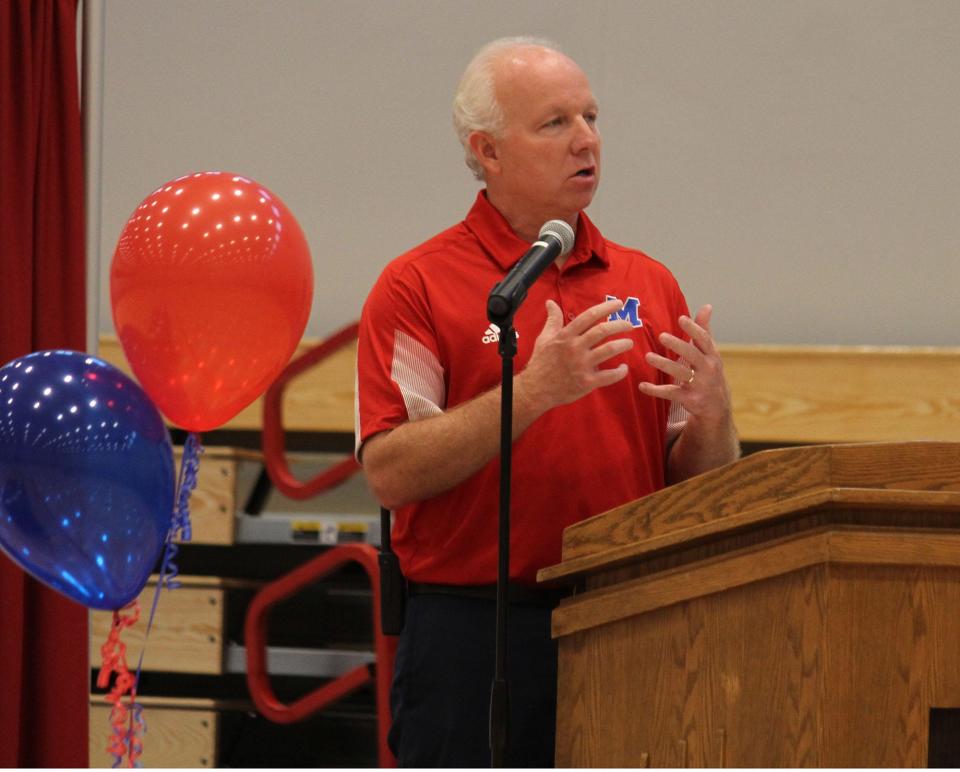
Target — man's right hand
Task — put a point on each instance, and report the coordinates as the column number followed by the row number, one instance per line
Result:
column 565, row 364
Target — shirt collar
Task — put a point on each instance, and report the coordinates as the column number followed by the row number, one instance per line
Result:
column 506, row 247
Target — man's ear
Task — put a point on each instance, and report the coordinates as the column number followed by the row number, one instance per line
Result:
column 484, row 149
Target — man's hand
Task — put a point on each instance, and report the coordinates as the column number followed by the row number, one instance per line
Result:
column 710, row 438
column 701, row 386
column 565, row 364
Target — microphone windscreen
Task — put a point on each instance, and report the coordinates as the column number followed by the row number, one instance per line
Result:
column 562, row 232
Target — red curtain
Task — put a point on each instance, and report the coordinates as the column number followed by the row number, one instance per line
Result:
column 44, row 672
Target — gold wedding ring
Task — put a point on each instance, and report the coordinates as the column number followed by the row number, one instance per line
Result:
column 693, row 374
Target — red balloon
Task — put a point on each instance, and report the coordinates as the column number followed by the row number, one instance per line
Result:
column 210, row 285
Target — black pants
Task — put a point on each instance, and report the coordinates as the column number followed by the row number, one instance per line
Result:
column 441, row 686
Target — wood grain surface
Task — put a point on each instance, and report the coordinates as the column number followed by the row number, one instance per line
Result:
column 764, row 487
column 177, row 736
column 213, row 503
column 834, row 663
column 187, row 632
column 827, row 544
column 781, row 394
column 803, row 618
column 729, row 680
column 803, row 394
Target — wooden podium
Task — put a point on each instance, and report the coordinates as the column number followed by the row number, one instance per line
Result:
column 799, row 608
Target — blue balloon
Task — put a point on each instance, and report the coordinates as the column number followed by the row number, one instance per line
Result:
column 86, row 476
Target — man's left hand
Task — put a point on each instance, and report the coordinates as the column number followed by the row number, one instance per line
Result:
column 700, row 384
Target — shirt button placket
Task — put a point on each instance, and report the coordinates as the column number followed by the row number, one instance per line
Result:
column 567, row 313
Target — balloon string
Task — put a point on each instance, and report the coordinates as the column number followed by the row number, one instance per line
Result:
column 126, row 721
column 179, row 530
column 181, row 527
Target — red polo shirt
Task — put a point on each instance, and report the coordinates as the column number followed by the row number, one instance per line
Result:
column 426, row 346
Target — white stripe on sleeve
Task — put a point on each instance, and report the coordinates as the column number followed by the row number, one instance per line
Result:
column 418, row 374
column 676, row 420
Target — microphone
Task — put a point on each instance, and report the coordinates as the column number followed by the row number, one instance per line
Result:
column 556, row 240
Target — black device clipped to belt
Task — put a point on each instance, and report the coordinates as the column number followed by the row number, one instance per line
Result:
column 393, row 595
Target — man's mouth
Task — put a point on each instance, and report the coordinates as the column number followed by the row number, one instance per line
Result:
column 587, row 171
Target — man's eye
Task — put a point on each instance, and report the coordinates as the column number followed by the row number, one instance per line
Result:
column 554, row 122
column 591, row 117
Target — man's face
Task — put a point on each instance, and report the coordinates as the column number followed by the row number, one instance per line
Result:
column 548, row 156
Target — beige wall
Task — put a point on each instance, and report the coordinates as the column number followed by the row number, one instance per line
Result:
column 796, row 163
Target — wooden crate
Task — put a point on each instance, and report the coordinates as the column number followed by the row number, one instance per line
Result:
column 180, row 732
column 215, row 501
column 187, row 634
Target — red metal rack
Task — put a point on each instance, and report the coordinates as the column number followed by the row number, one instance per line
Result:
column 255, row 627
column 274, row 444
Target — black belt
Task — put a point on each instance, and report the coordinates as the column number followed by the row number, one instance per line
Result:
column 519, row 594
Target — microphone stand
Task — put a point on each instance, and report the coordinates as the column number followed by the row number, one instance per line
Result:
column 500, row 690
column 556, row 238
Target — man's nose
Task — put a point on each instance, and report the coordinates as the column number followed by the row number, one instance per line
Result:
column 585, row 137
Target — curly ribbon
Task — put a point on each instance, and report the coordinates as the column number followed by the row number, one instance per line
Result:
column 126, row 721
column 180, row 528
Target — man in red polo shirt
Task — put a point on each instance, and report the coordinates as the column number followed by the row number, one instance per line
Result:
column 618, row 393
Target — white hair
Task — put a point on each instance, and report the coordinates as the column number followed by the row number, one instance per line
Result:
column 475, row 105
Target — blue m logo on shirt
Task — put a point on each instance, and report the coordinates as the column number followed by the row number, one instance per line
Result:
column 630, row 311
